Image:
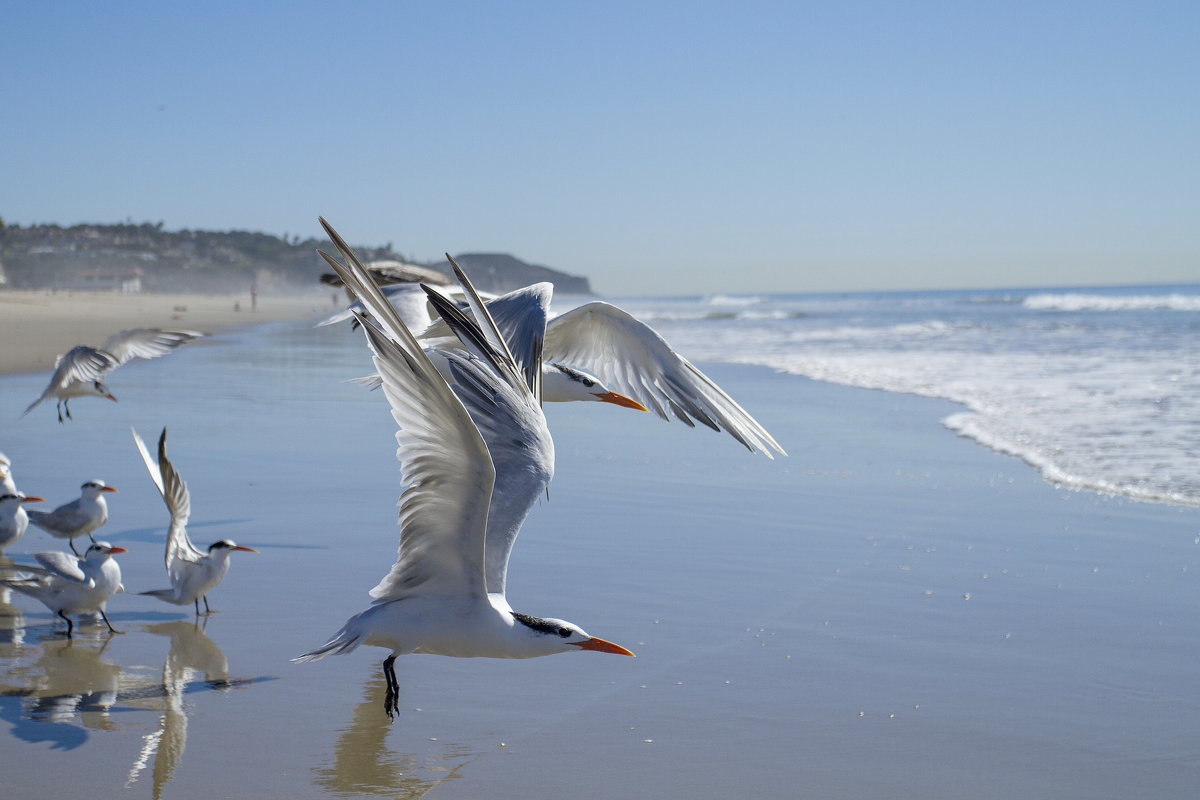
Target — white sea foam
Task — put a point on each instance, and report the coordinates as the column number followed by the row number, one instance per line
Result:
column 1091, row 402
column 734, row 300
column 1072, row 301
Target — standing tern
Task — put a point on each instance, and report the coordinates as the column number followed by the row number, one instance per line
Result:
column 7, row 485
column 13, row 519
column 68, row 585
column 475, row 459
column 193, row 572
column 77, row 518
column 81, row 370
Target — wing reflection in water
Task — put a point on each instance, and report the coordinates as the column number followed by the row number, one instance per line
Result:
column 363, row 764
column 194, row 663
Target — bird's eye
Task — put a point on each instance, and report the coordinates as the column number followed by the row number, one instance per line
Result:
column 564, row 632
column 588, row 383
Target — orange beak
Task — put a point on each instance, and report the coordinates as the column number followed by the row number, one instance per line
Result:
column 115, row 549
column 108, row 489
column 110, row 397
column 34, row 500
column 621, row 400
column 247, row 549
column 603, row 646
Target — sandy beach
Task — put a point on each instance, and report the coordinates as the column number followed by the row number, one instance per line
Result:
column 38, row 326
column 891, row 611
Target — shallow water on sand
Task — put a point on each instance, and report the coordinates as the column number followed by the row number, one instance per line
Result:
column 891, row 611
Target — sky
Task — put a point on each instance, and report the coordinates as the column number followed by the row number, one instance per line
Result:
column 655, row 147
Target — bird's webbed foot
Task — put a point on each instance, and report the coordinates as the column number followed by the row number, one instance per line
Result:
column 391, row 700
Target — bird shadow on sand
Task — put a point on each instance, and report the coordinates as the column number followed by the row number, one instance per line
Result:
column 156, row 533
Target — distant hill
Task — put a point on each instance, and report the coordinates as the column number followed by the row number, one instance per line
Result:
column 144, row 257
column 500, row 272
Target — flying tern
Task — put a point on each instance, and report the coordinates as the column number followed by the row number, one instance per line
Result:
column 81, row 370
column 193, row 572
column 77, row 518
column 13, row 519
column 67, row 585
column 475, row 459
column 601, row 352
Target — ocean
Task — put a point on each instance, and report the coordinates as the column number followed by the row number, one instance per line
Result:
column 1097, row 388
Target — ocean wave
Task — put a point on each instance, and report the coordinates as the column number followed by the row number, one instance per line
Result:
column 733, row 300
column 702, row 315
column 1072, row 301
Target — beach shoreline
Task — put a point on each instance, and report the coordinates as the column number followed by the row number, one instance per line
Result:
column 37, row 326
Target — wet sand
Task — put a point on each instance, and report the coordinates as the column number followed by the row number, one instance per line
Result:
column 892, row 611
column 38, row 326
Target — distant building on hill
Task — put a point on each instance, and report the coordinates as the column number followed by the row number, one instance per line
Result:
column 107, row 279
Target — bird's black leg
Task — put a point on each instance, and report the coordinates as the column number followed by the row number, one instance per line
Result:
column 104, row 617
column 70, row 625
column 196, row 603
column 60, row 416
column 67, row 408
column 207, row 610
column 72, row 543
column 391, row 701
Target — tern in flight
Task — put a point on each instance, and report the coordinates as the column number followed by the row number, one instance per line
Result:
column 600, row 352
column 77, row 518
column 475, row 459
column 67, row 585
column 193, row 572
column 81, row 370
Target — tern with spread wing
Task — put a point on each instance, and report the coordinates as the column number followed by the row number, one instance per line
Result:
column 77, row 518
column 67, row 585
column 80, row 372
column 475, row 459
column 600, row 352
column 193, row 572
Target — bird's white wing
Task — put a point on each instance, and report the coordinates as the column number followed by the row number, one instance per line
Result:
column 60, row 565
column 175, row 494
column 631, row 358
column 509, row 417
column 407, row 298
column 385, row 273
column 151, row 467
column 146, row 343
column 521, row 317
column 444, row 461
column 67, row 517
column 80, row 363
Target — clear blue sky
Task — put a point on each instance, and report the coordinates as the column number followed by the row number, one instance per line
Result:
column 656, row 147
